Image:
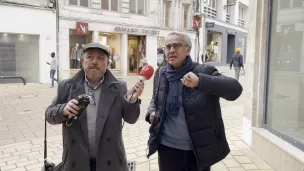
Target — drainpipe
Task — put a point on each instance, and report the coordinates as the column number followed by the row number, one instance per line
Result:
column 57, row 36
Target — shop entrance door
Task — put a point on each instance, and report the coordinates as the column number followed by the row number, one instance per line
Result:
column 136, row 52
column 230, row 47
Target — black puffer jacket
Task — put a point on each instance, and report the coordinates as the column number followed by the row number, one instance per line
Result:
column 202, row 112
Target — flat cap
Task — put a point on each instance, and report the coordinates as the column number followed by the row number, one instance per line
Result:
column 96, row 46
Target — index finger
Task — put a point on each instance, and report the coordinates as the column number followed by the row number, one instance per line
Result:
column 74, row 101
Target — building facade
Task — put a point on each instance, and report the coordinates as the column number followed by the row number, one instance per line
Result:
column 134, row 30
column 274, row 93
column 27, row 37
column 224, row 29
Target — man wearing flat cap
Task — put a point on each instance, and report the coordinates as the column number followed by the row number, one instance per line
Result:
column 94, row 140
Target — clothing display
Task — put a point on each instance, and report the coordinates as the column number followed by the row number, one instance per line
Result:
column 76, row 54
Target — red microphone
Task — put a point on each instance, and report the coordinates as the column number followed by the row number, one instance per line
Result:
column 146, row 73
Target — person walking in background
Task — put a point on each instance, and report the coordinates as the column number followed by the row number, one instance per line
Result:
column 53, row 67
column 237, row 61
column 187, row 128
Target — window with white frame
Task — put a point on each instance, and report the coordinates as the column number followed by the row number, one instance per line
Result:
column 186, row 14
column 82, row 3
column 111, row 5
column 167, row 7
column 137, row 7
column 211, row 3
column 241, row 12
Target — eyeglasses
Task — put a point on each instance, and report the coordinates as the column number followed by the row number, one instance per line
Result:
column 175, row 46
column 91, row 93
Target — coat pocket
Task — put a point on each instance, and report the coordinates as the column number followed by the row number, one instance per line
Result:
column 64, row 157
column 120, row 156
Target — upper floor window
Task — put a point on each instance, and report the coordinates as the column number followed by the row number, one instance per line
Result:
column 109, row 5
column 166, row 13
column 241, row 12
column 186, row 12
column 211, row 3
column 137, row 6
column 83, row 3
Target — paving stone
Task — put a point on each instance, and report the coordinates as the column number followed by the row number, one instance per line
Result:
column 242, row 159
column 231, row 163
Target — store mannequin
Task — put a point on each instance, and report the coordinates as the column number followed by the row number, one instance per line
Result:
column 74, row 57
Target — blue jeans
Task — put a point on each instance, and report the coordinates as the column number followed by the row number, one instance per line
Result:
column 52, row 75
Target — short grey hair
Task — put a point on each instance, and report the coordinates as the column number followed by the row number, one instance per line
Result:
column 186, row 38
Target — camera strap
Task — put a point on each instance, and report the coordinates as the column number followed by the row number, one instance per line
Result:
column 45, row 141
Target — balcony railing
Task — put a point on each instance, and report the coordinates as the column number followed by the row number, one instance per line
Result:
column 227, row 18
column 210, row 12
column 241, row 23
column 31, row 3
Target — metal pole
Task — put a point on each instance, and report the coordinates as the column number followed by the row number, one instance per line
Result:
column 204, row 38
column 57, row 37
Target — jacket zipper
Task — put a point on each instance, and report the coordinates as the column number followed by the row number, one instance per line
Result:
column 190, row 135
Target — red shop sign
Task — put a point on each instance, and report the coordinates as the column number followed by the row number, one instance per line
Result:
column 82, row 28
column 197, row 22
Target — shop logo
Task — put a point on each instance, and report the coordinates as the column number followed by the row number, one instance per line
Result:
column 82, row 28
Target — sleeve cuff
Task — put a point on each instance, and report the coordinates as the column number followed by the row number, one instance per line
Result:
column 132, row 101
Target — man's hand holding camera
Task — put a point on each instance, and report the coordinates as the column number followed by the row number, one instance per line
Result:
column 71, row 109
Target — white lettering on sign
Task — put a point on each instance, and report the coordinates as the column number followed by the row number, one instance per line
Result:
column 83, row 28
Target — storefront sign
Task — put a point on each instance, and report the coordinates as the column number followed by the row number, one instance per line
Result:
column 135, row 30
column 197, row 22
column 82, row 28
column 210, row 24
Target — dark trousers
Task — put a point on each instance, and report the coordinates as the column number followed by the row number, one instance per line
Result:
column 170, row 159
column 52, row 75
column 93, row 165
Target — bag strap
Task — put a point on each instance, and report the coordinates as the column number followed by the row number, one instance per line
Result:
column 45, row 141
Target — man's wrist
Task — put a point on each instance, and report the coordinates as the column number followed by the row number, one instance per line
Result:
column 130, row 100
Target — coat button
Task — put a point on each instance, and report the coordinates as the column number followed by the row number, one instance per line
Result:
column 73, row 141
column 73, row 164
column 109, row 162
column 108, row 139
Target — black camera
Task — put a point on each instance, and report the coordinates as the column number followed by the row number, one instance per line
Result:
column 83, row 101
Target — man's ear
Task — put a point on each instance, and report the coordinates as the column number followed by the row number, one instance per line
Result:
column 81, row 59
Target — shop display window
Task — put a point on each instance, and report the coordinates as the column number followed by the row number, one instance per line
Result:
column 77, row 43
column 113, row 42
column 19, row 56
column 285, row 90
column 136, row 53
column 213, row 49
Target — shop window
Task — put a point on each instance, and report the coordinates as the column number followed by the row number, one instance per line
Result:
column 113, row 42
column 161, row 57
column 77, row 43
column 136, row 53
column 19, row 56
column 83, row 3
column 137, row 6
column 186, row 14
column 214, row 45
column 285, row 90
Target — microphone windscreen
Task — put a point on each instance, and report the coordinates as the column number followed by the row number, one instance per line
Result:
column 147, row 71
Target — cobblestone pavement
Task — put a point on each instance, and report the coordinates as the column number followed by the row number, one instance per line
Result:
column 22, row 130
